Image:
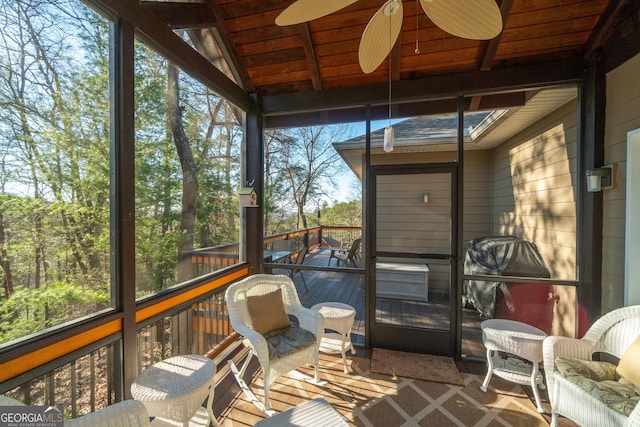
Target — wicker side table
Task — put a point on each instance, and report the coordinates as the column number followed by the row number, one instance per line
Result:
column 338, row 317
column 519, row 339
column 176, row 387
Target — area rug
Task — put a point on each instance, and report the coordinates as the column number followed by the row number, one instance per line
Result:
column 366, row 399
column 426, row 367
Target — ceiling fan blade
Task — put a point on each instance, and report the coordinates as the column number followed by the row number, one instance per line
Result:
column 380, row 35
column 308, row 10
column 469, row 19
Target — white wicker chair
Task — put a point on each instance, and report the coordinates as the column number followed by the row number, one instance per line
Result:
column 128, row 413
column 9, row 401
column 611, row 334
column 236, row 299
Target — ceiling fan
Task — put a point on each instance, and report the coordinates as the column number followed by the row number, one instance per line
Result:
column 469, row 19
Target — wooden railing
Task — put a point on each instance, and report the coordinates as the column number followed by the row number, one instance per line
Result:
column 211, row 259
column 84, row 379
column 82, row 372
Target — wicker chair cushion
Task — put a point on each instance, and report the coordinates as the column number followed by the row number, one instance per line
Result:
column 267, row 312
column 629, row 366
column 285, row 341
column 601, row 381
column 592, row 369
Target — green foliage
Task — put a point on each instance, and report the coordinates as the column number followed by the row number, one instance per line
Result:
column 346, row 213
column 32, row 310
column 55, row 167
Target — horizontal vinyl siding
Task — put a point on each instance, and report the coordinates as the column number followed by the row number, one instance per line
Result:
column 534, row 192
column 534, row 197
column 477, row 195
column 622, row 116
column 404, row 222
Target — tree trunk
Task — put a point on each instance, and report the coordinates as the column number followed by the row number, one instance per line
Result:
column 189, row 173
column 6, row 266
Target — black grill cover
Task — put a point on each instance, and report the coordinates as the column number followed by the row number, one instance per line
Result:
column 498, row 256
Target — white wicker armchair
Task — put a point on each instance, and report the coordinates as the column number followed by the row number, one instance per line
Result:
column 128, row 413
column 273, row 367
column 611, row 334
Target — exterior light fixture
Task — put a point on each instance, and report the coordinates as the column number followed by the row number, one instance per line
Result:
column 599, row 178
column 425, row 197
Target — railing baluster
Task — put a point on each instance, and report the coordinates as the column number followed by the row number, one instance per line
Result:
column 92, row 381
column 74, row 389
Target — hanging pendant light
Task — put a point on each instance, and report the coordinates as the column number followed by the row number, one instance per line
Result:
column 389, row 139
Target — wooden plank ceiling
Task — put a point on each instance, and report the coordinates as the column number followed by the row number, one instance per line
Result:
column 323, row 54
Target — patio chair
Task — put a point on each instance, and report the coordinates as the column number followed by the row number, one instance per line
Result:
column 284, row 246
column 127, row 413
column 347, row 255
column 9, row 401
column 302, row 253
column 259, row 308
column 612, row 334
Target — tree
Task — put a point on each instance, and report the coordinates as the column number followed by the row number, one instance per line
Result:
column 276, row 193
column 55, row 166
column 346, row 213
column 189, row 173
column 307, row 163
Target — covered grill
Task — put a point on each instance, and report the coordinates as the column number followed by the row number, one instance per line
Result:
column 507, row 256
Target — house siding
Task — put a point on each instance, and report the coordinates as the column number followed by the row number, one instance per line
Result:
column 534, row 189
column 622, row 116
column 399, row 204
column 477, row 195
column 534, row 197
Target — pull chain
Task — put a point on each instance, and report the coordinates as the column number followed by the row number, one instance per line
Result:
column 417, row 51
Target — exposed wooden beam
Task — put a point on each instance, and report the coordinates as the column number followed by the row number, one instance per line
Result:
column 310, row 53
column 430, row 88
column 492, row 47
column 206, row 42
column 181, row 15
column 172, row 47
column 475, row 103
column 232, row 53
column 606, row 25
column 625, row 46
column 380, row 112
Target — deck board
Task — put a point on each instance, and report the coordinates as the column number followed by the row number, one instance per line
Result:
column 348, row 287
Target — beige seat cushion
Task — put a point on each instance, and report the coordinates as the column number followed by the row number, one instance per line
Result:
column 601, row 380
column 267, row 312
column 629, row 366
column 283, row 342
column 592, row 369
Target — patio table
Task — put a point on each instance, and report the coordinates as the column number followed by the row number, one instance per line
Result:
column 175, row 388
column 338, row 317
column 517, row 338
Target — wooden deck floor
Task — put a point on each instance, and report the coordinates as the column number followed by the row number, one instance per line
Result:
column 348, row 287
